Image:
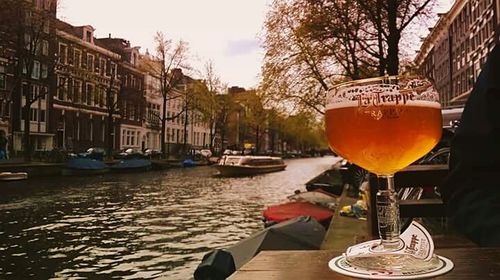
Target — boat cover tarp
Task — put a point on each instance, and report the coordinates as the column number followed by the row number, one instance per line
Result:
column 318, row 196
column 290, row 210
column 188, row 163
column 85, row 164
column 132, row 163
column 301, row 233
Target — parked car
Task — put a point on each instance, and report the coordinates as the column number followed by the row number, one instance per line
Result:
column 130, row 153
column 151, row 153
column 97, row 153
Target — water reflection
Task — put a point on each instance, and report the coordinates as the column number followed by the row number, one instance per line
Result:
column 134, row 226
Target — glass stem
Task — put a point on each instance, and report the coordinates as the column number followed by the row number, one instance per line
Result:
column 388, row 213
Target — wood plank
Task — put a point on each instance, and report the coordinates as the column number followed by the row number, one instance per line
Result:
column 421, row 176
column 470, row 263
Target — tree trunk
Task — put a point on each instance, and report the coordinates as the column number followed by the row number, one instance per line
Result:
column 27, row 144
column 184, row 143
column 393, row 40
column 163, row 127
column 257, row 142
column 212, row 132
column 110, row 134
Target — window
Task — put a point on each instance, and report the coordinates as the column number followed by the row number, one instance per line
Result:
column 45, row 71
column 35, row 73
column 33, row 115
column 69, row 94
column 3, row 78
column 77, row 58
column 97, row 97
column 61, row 88
column 113, row 69
column 42, row 115
column 88, row 36
column 77, row 91
column 90, row 93
column 46, row 26
column 90, row 62
column 27, row 41
column 45, row 47
column 63, row 53
column 35, row 92
column 102, row 66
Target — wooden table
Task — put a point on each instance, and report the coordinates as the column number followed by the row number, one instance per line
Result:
column 470, row 263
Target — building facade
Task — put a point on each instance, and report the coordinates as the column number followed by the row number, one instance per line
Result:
column 27, row 53
column 458, row 46
column 132, row 99
column 86, row 74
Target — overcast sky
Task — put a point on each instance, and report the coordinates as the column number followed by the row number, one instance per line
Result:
column 225, row 31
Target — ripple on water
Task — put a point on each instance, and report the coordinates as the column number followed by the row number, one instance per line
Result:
column 131, row 226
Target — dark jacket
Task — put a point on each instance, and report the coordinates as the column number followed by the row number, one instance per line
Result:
column 472, row 189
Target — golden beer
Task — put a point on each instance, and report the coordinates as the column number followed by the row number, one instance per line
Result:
column 383, row 139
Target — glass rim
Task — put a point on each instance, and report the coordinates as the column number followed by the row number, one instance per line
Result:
column 374, row 79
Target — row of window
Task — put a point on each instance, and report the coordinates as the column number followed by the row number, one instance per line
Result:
column 73, row 90
column 130, row 137
column 98, row 65
column 131, row 111
column 38, row 71
column 40, row 47
column 36, row 115
column 177, row 136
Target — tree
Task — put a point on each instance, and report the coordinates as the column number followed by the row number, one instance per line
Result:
column 111, row 92
column 253, row 118
column 225, row 107
column 313, row 44
column 206, row 99
column 172, row 58
column 32, row 26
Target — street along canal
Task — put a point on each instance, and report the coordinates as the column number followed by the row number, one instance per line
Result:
column 131, row 226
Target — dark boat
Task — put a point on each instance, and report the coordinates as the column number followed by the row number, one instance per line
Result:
column 188, row 163
column 132, row 165
column 84, row 166
column 330, row 181
column 249, row 165
column 302, row 233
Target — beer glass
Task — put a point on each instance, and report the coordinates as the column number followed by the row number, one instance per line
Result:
column 383, row 125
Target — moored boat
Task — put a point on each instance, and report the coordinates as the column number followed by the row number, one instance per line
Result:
column 13, row 176
column 291, row 210
column 249, row 165
column 132, row 165
column 84, row 166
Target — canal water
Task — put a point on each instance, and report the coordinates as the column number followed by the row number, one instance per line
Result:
column 154, row 225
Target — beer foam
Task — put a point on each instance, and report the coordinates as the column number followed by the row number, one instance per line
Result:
column 415, row 93
column 417, row 103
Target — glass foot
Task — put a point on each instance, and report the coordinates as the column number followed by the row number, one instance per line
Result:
column 395, row 262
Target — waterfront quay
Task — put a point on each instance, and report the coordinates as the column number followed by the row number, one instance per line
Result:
column 157, row 224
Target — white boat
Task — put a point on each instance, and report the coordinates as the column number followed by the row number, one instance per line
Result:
column 249, row 165
column 13, row 176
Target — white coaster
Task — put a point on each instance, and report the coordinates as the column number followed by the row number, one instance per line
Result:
column 340, row 265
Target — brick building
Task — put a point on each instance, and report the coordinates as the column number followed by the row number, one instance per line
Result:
column 27, row 52
column 457, row 47
column 84, row 74
column 132, row 98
